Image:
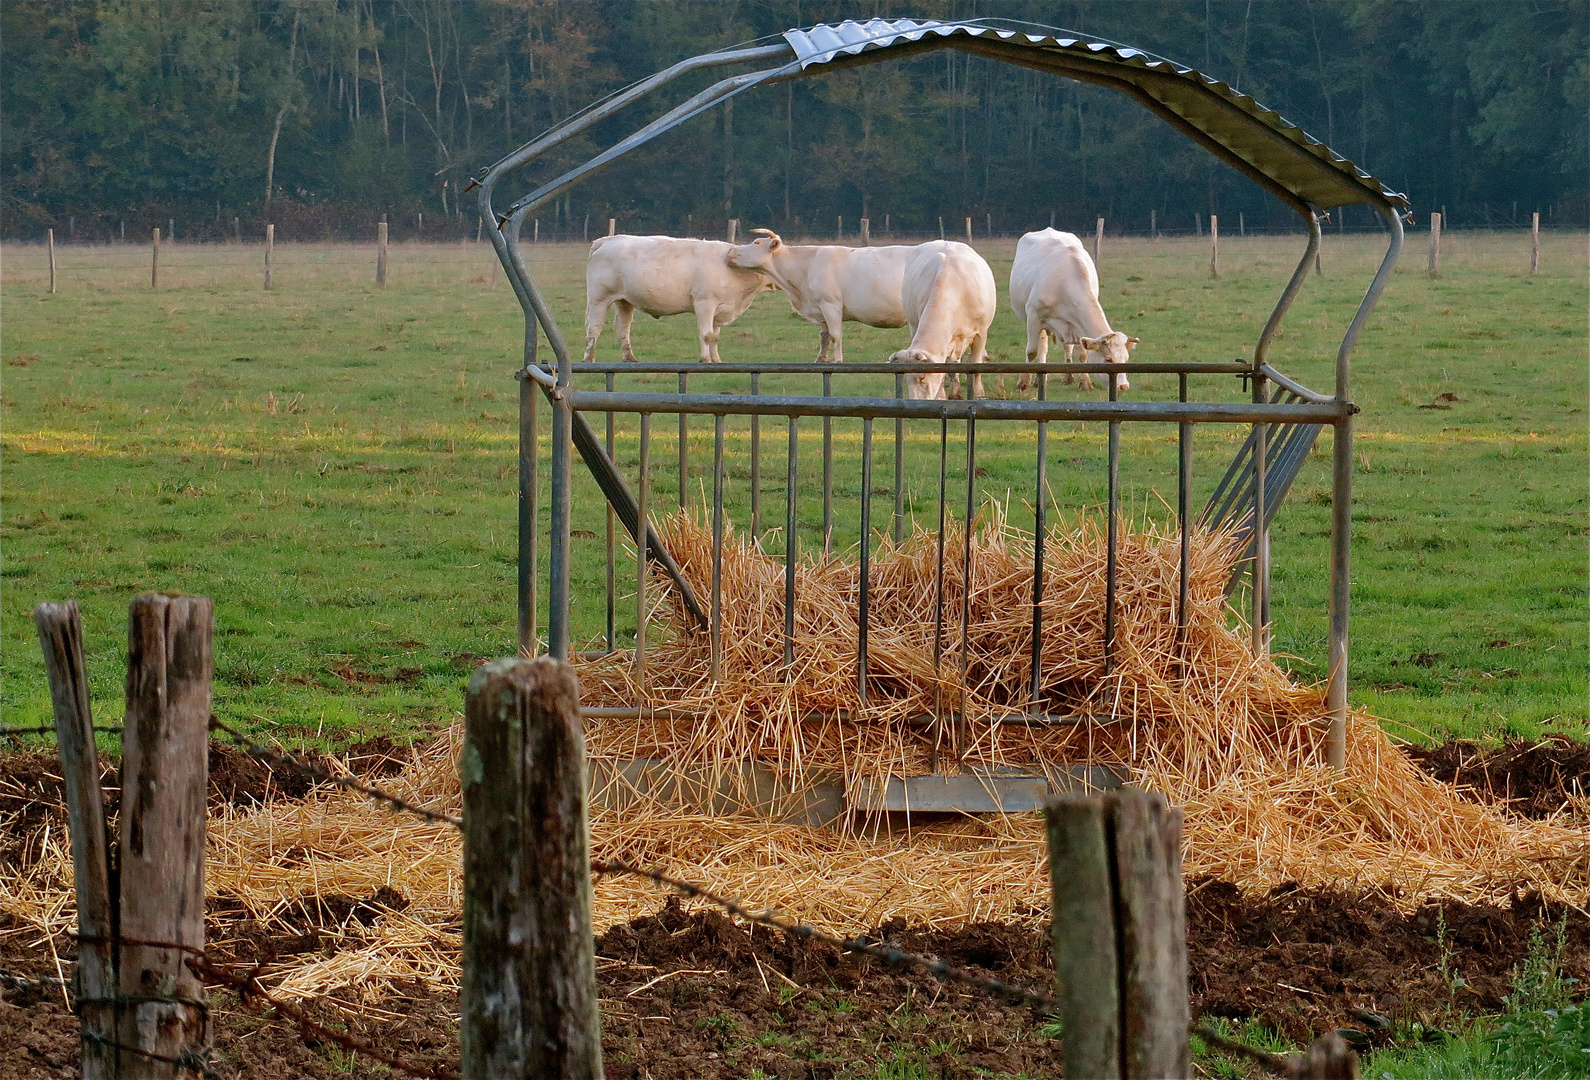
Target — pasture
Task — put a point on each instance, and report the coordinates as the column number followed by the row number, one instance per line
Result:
column 334, row 463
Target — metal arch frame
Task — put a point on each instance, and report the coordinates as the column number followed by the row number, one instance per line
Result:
column 570, row 430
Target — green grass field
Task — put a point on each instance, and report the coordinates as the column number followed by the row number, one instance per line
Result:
column 335, row 464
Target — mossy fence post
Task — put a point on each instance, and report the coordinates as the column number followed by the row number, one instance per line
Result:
column 1120, row 937
column 142, row 1007
column 528, row 995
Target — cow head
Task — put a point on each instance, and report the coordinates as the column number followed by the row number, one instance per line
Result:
column 755, row 254
column 1112, row 348
column 924, row 386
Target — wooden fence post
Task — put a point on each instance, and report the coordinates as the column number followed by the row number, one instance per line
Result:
column 866, row 232
column 1534, row 250
column 612, row 229
column 49, row 236
column 968, row 230
column 237, row 229
column 1153, row 224
column 61, row 638
column 154, row 260
column 1242, row 224
column 528, row 999
column 1435, row 245
column 1098, row 241
column 270, row 244
column 165, row 771
column 1120, row 940
column 734, row 230
column 1214, row 245
column 380, row 252
column 941, row 228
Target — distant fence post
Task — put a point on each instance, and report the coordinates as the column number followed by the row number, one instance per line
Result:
column 1153, row 224
column 988, row 229
column 270, row 246
column 887, row 232
column 160, row 1004
column 535, row 232
column 237, row 229
column 734, row 230
column 1435, row 245
column 941, row 228
column 968, row 230
column 154, row 260
column 839, row 227
column 866, row 232
column 1214, row 245
column 380, row 252
column 1120, row 940
column 61, row 637
column 1098, row 241
column 1198, row 223
column 1242, row 224
column 528, row 999
column 1534, row 249
column 612, row 229
column 49, row 238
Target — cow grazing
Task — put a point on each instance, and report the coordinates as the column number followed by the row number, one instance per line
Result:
column 949, row 299
column 1054, row 289
column 664, row 275
column 829, row 285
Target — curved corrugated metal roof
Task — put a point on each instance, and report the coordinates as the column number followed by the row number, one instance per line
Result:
column 1257, row 141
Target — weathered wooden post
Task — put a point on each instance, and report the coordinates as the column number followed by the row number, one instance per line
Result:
column 380, row 252
column 1120, row 941
column 49, row 237
column 528, row 998
column 61, row 637
column 1534, row 250
column 1098, row 241
column 1435, row 245
column 270, row 246
column 1214, row 245
column 154, row 260
column 968, row 230
column 612, row 229
column 734, row 230
column 866, row 232
column 165, row 771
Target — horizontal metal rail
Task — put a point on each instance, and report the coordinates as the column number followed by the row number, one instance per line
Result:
column 1163, row 412
column 644, row 367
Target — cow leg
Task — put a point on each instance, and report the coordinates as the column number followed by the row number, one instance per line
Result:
column 1071, row 355
column 707, row 330
column 595, row 318
column 623, row 319
column 1037, row 349
column 824, row 341
column 834, row 331
column 978, row 353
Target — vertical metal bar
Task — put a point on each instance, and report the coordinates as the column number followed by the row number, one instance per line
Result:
column 828, row 471
column 1183, row 517
column 528, row 393
column 642, row 542
column 899, row 465
column 684, row 447
column 966, row 569
column 715, row 623
column 1040, row 506
column 558, row 557
column 866, row 559
column 1259, row 572
column 790, row 548
column 1111, row 539
column 756, row 463
column 612, row 546
column 938, row 591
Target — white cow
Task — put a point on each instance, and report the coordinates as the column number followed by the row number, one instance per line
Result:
column 664, row 275
column 1054, row 289
column 829, row 285
column 949, row 298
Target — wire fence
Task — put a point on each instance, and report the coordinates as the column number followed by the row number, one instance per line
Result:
column 245, row 979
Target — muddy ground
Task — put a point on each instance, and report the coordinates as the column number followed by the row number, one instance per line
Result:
column 690, row 994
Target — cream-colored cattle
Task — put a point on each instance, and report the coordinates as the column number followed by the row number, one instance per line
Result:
column 1054, row 290
column 949, row 298
column 665, row 275
column 830, row 285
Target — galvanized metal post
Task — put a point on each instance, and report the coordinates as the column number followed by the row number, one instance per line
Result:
column 1183, row 516
column 1112, row 536
column 1260, row 567
column 756, row 465
column 562, row 505
column 1040, row 506
column 684, row 448
column 715, row 621
column 529, row 446
column 864, row 598
column 828, row 471
column 899, row 465
column 612, row 546
column 642, row 543
column 966, row 578
column 791, row 498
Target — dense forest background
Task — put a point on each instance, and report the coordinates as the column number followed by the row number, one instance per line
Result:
column 323, row 114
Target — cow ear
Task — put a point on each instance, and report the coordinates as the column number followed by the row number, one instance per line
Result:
column 1090, row 344
column 1132, row 342
column 772, row 236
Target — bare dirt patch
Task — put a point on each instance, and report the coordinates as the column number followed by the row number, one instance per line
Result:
column 1536, row 779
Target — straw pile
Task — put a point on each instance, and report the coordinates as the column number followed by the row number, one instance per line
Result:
column 1228, row 736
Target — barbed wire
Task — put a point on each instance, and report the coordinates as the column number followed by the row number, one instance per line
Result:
column 22, row 982
column 49, row 729
column 249, row 987
column 887, row 954
column 315, row 772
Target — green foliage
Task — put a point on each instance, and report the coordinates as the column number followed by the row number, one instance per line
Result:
column 140, row 110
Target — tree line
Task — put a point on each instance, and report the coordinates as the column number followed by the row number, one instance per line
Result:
column 324, row 114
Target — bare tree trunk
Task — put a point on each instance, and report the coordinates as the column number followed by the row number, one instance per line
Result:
column 380, row 82
column 276, row 130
